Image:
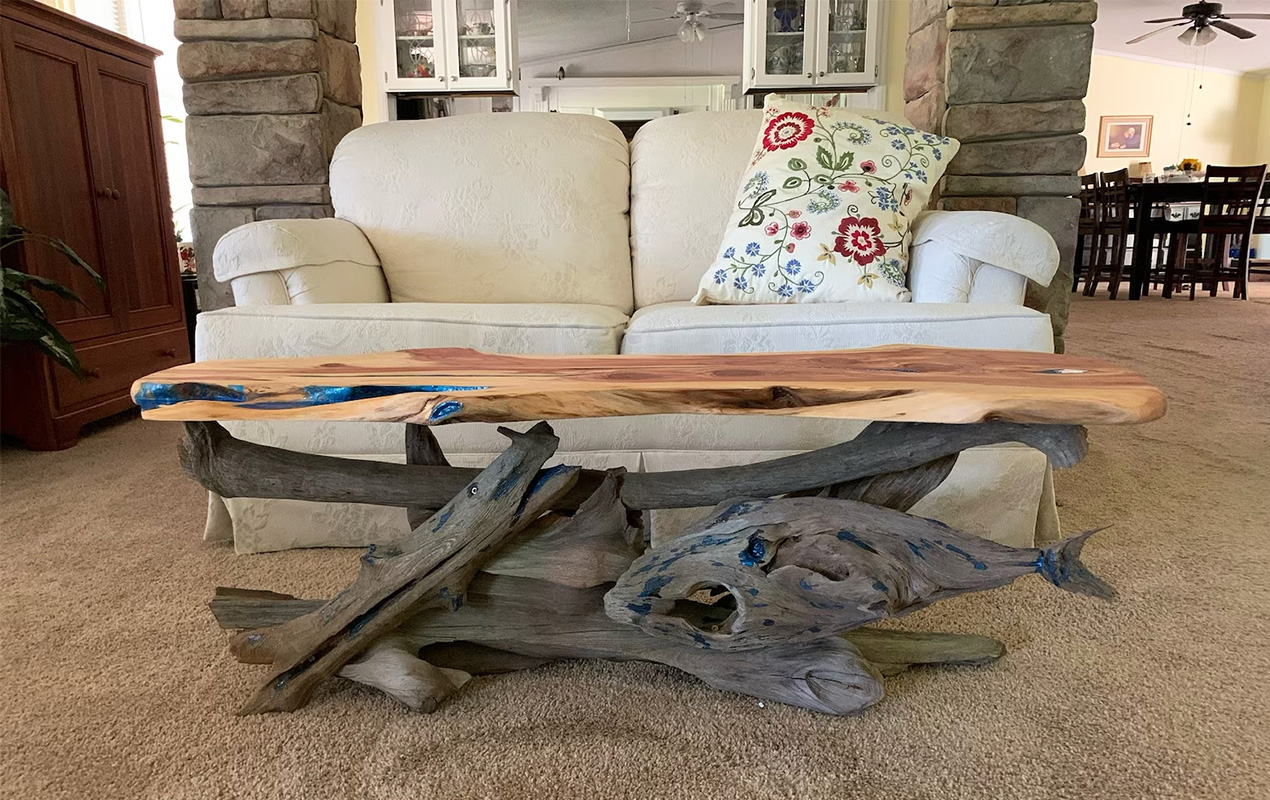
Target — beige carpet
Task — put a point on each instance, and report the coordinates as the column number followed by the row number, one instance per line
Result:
column 114, row 681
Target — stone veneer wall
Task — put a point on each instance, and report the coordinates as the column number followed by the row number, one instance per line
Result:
column 271, row 86
column 1007, row 78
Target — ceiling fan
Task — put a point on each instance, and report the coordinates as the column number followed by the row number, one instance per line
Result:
column 1200, row 19
column 695, row 14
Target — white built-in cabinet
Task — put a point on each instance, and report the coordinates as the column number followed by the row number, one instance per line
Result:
column 821, row 44
column 447, row 46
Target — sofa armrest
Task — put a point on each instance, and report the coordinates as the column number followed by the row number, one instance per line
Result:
column 978, row 257
column 300, row 261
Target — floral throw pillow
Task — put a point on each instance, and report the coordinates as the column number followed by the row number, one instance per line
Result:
column 823, row 213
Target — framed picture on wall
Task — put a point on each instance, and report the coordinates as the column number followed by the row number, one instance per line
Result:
column 1124, row 137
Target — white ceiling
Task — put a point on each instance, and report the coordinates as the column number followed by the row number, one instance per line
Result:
column 551, row 28
column 1121, row 20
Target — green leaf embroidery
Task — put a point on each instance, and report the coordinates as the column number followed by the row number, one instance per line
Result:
column 824, row 158
column 792, row 183
column 844, row 162
column 797, row 164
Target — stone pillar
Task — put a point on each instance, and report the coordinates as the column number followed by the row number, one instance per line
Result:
column 1007, row 78
column 271, row 86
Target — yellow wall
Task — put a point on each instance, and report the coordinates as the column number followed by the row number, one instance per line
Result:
column 1229, row 121
column 896, row 33
column 370, row 61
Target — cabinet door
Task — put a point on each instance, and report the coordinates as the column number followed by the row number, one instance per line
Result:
column 414, row 51
column 477, row 45
column 783, row 42
column 49, row 154
column 139, row 243
column 846, row 43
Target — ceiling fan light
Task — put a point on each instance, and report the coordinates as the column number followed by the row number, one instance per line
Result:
column 1187, row 37
column 692, row 31
column 1204, row 35
column 685, row 33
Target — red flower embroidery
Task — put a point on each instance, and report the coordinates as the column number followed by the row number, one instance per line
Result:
column 787, row 130
column 868, row 167
column 849, row 186
column 795, row 213
column 800, row 230
column 789, row 248
column 861, row 239
column 772, row 229
column 908, row 196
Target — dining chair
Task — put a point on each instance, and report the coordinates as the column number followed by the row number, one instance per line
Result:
column 1228, row 212
column 1113, row 233
column 1261, row 227
column 1086, row 229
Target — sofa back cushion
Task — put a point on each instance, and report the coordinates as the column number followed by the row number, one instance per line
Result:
column 492, row 208
column 684, row 174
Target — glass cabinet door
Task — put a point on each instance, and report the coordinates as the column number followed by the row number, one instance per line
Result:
column 418, row 53
column 846, row 52
column 784, row 47
column 478, row 45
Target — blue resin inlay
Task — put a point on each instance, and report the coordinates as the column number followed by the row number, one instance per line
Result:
column 754, row 552
column 444, row 410
column 153, row 395
column 753, row 592
column 654, row 584
column 848, row 536
column 952, row 548
column 767, row 623
column 881, row 587
column 640, row 608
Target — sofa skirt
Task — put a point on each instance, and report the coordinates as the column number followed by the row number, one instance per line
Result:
column 1004, row 493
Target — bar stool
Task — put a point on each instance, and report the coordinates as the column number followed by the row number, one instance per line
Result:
column 1232, row 198
column 1113, row 232
column 1086, row 228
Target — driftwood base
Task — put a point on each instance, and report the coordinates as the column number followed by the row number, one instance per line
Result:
column 768, row 596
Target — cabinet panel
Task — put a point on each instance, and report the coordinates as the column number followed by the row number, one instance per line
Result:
column 846, row 50
column 49, row 153
column 111, row 368
column 416, row 58
column 138, row 237
column 783, row 38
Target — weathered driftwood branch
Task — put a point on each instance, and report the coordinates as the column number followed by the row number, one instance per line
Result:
column 233, row 468
column 797, row 569
column 393, row 666
column 423, row 449
column 433, row 565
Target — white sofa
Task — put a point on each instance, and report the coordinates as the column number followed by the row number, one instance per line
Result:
column 548, row 233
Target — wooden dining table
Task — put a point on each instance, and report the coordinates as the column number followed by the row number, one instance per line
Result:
column 1145, row 226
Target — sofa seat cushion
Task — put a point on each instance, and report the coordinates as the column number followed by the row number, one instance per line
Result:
column 682, row 327
column 349, row 328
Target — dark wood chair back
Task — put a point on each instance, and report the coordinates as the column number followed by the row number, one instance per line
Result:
column 1089, row 203
column 1114, row 194
column 1232, row 199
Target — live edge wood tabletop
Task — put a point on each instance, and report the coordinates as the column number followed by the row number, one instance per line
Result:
column 515, row 565
column 897, row 383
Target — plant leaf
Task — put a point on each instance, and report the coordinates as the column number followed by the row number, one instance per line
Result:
column 6, row 215
column 15, row 278
column 73, row 257
column 797, row 164
column 30, row 328
column 824, row 158
column 844, row 161
column 792, row 183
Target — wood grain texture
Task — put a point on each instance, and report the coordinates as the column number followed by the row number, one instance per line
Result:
column 760, row 573
column 234, row 468
column 434, row 565
column 903, row 383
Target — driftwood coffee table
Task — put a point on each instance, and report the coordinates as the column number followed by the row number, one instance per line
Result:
column 515, row 565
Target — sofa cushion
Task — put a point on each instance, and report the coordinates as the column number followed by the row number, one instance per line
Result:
column 496, row 208
column 684, row 173
column 822, row 214
column 686, row 328
column 348, row 328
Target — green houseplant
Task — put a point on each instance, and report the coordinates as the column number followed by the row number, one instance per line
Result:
column 22, row 318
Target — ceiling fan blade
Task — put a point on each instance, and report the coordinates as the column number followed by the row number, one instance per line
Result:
column 654, row 19
column 725, row 15
column 1166, row 19
column 1245, row 16
column 1156, row 31
column 1242, row 33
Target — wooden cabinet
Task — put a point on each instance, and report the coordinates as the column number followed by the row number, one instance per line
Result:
column 447, row 46
column 814, row 45
column 81, row 156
